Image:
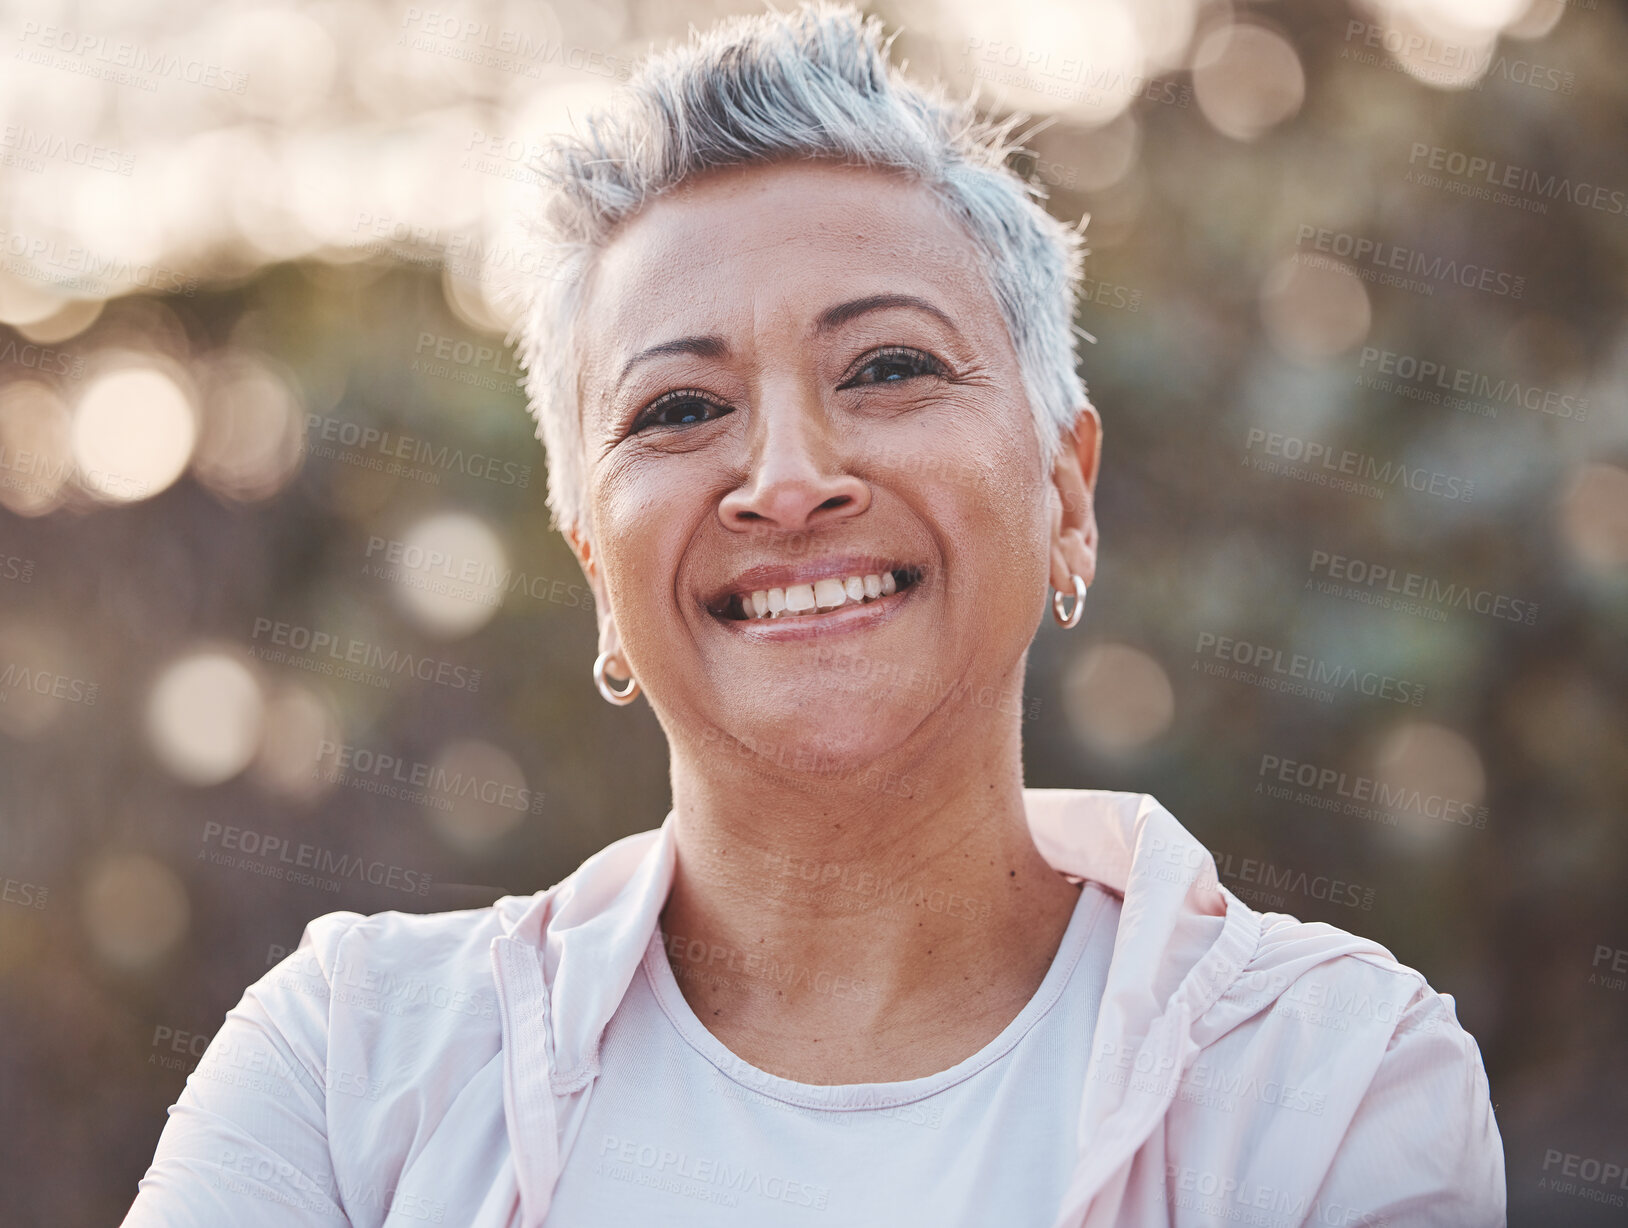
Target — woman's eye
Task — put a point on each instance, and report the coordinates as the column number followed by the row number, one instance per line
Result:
column 893, row 366
column 680, row 409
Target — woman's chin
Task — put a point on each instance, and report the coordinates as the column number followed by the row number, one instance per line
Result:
column 827, row 742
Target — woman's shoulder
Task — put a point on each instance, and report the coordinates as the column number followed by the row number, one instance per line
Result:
column 417, row 935
column 1337, row 981
column 421, row 975
column 1345, row 1064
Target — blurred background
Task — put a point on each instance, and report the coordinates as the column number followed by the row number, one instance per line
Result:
column 284, row 628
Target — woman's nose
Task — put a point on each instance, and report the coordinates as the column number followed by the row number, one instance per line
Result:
column 797, row 479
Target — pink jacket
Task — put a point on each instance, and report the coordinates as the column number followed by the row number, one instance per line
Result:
column 1248, row 1068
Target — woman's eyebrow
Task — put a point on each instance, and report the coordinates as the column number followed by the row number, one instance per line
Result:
column 711, row 346
column 834, row 317
column 714, row 346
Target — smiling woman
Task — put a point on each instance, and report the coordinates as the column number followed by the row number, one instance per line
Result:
column 804, row 364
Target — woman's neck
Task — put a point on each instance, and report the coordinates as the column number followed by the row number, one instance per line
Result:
column 867, row 926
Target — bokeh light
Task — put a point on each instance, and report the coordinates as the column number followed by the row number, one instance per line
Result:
column 1424, row 760
column 42, row 678
column 25, row 302
column 1594, row 517
column 1314, row 310
column 134, row 909
column 68, row 320
column 253, row 436
column 1247, row 79
column 299, row 728
column 36, row 442
column 204, row 717
column 133, row 433
column 449, row 574
column 1118, row 699
column 488, row 794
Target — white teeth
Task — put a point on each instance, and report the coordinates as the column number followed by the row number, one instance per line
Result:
column 821, row 595
column 829, row 594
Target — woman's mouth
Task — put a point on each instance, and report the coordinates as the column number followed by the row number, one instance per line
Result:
column 817, row 596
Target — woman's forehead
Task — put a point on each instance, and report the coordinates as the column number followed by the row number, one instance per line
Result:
column 778, row 241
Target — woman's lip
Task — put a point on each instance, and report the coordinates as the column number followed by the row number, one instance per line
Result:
column 756, row 579
column 829, row 622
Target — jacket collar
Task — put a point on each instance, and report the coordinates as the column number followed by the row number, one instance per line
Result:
column 593, row 929
column 564, row 967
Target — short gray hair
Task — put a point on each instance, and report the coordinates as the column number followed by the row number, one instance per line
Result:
column 811, row 84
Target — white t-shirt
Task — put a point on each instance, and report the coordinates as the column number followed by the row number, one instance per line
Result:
column 680, row 1132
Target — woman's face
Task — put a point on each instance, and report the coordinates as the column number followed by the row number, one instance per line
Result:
column 797, row 390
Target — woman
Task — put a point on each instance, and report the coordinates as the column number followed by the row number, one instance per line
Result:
column 805, row 370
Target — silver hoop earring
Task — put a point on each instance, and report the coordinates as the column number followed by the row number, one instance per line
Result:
column 620, row 698
column 1059, row 600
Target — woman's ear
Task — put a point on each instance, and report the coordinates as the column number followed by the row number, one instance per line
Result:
column 1074, row 517
column 609, row 641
